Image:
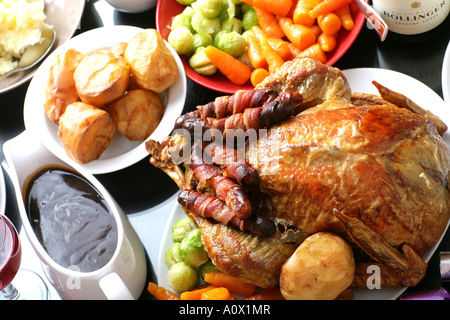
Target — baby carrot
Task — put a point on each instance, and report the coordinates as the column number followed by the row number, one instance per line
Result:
column 329, row 23
column 254, row 51
column 327, row 6
column 301, row 36
column 327, row 42
column 301, row 12
column 346, row 17
column 273, row 59
column 268, row 23
column 236, row 71
column 216, row 294
column 314, row 52
column 279, row 45
column 195, row 294
column 278, row 7
column 161, row 293
column 234, row 285
column 258, row 75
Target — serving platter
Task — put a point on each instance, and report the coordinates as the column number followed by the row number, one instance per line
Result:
column 64, row 16
column 121, row 153
column 360, row 81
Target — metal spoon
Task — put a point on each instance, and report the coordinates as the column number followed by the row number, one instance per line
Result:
column 373, row 18
column 29, row 58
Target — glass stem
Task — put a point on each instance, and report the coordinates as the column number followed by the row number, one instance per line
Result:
column 9, row 293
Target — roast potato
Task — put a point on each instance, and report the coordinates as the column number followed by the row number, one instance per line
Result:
column 60, row 90
column 101, row 77
column 152, row 64
column 85, row 131
column 137, row 113
column 321, row 268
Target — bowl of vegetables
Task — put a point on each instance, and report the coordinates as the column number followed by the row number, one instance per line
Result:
column 254, row 36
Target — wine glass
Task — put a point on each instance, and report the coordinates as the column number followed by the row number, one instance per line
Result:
column 16, row 283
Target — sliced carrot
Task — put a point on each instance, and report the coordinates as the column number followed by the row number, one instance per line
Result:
column 314, row 52
column 236, row 71
column 301, row 12
column 254, row 51
column 268, row 23
column 234, row 285
column 329, row 23
column 161, row 293
column 196, row 294
column 346, row 17
column 258, row 75
column 216, row 294
column 327, row 6
column 268, row 294
column 327, row 42
column 301, row 36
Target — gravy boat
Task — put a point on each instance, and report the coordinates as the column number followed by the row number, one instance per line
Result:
column 123, row 277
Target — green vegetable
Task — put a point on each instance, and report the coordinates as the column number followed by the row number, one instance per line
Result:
column 231, row 42
column 172, row 255
column 191, row 249
column 207, row 267
column 202, row 24
column 202, row 40
column 186, row 2
column 182, row 277
column 182, row 40
column 232, row 24
column 182, row 20
column 201, row 63
column 209, row 8
column 182, row 227
column 249, row 19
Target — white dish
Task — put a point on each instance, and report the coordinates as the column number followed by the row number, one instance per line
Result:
column 121, row 153
column 446, row 75
column 64, row 16
column 360, row 80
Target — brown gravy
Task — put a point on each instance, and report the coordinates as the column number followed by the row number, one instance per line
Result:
column 71, row 219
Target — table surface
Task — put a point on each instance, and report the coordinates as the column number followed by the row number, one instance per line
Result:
column 149, row 195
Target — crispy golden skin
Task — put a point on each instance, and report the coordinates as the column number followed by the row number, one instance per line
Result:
column 152, row 64
column 85, row 131
column 101, row 77
column 137, row 113
column 60, row 90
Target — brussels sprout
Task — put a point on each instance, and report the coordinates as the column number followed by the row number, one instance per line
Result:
column 245, row 7
column 232, row 24
column 249, row 19
column 186, row 2
column 202, row 24
column 201, row 63
column 231, row 42
column 172, row 255
column 182, row 40
column 182, row 277
column 209, row 8
column 207, row 267
column 182, row 20
column 182, row 227
column 202, row 40
column 188, row 11
column 191, row 249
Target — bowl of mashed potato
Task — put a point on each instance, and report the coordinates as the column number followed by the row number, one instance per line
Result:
column 22, row 24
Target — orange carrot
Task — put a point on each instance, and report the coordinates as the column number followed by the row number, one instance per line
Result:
column 254, row 51
column 327, row 42
column 258, row 75
column 294, row 51
column 161, row 293
column 329, row 23
column 268, row 23
column 277, row 44
column 327, row 6
column 273, row 59
column 302, row 37
column 268, row 294
column 216, row 294
column 195, row 294
column 316, row 29
column 237, row 286
column 346, row 17
column 236, row 71
column 278, row 7
column 301, row 12
column 315, row 52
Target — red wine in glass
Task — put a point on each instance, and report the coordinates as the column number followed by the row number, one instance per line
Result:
column 10, row 258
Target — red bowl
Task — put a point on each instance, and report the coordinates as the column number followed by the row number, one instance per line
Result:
column 166, row 9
